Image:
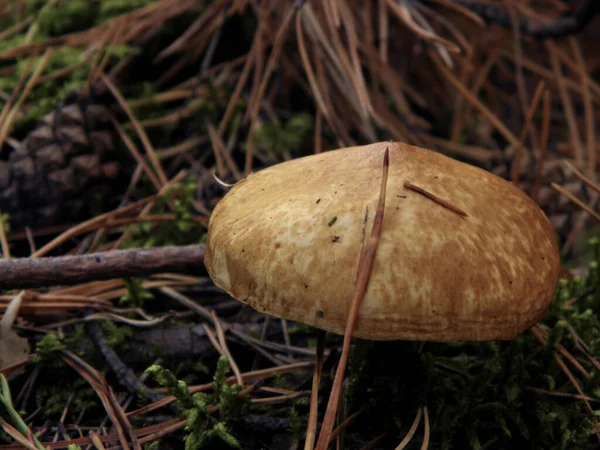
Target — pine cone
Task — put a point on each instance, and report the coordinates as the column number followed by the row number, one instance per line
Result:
column 67, row 169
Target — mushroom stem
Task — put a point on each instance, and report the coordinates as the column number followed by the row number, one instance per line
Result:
column 364, row 274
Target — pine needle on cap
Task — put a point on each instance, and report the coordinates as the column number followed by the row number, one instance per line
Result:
column 436, row 199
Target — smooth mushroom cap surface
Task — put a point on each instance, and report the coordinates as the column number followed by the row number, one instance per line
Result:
column 287, row 240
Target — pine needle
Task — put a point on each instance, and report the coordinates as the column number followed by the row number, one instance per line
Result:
column 528, row 120
column 590, row 125
column 150, row 152
column 543, row 145
column 435, row 198
column 575, row 200
column 426, row 436
column 360, row 287
column 411, row 431
column 311, row 430
column 588, row 182
column 567, row 104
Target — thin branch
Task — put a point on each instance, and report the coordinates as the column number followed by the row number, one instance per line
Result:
column 62, row 270
column 124, row 374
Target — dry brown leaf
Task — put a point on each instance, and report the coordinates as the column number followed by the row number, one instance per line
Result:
column 13, row 348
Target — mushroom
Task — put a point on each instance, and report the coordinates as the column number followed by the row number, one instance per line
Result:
column 462, row 254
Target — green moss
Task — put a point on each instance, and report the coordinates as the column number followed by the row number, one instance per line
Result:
column 113, row 8
column 117, row 335
column 65, row 17
column 45, row 96
column 296, row 424
column 274, row 136
column 74, row 340
column 53, row 397
column 191, row 371
column 74, row 15
column 183, row 230
column 202, row 427
column 47, row 350
column 136, row 293
column 11, row 42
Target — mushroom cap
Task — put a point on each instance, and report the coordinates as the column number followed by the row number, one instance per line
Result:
column 287, row 240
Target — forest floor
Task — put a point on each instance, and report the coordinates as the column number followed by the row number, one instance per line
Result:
column 123, row 122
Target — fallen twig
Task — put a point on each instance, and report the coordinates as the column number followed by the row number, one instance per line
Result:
column 124, row 374
column 63, row 270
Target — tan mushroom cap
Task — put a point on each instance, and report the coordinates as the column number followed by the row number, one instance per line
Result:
column 287, row 239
